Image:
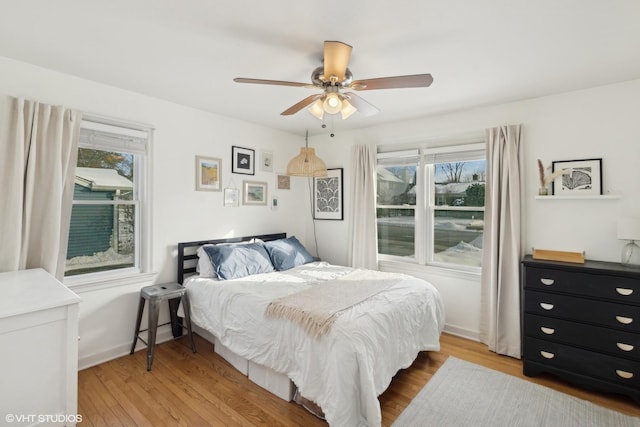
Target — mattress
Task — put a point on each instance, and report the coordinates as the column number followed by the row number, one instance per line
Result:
column 344, row 370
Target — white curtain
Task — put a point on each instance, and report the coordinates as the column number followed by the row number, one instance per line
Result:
column 363, row 249
column 502, row 249
column 38, row 151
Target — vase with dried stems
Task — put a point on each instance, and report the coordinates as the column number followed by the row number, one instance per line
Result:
column 546, row 180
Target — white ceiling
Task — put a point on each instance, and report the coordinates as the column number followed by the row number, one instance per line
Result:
column 479, row 52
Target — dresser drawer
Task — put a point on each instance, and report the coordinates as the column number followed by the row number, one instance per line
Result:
column 617, row 288
column 620, row 316
column 585, row 362
column 611, row 341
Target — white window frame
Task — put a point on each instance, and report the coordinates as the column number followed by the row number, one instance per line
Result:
column 102, row 133
column 425, row 207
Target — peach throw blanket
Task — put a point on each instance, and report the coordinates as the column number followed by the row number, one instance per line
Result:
column 317, row 308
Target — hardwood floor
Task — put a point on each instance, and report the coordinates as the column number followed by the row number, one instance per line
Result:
column 202, row 389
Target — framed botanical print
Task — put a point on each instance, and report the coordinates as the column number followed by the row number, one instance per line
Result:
column 208, row 173
column 328, row 195
column 231, row 197
column 254, row 193
column 243, row 160
column 580, row 177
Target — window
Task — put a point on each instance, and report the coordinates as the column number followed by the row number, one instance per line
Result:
column 430, row 205
column 107, row 227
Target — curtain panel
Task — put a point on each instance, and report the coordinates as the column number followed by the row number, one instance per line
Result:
column 500, row 278
column 38, row 154
column 363, row 245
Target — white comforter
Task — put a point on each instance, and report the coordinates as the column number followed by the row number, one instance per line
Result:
column 343, row 371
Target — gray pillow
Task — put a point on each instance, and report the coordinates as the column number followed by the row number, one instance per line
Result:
column 287, row 253
column 234, row 261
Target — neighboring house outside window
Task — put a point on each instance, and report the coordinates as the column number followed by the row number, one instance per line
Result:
column 430, row 206
column 108, row 230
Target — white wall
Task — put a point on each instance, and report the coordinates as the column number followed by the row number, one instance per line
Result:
column 600, row 122
column 179, row 213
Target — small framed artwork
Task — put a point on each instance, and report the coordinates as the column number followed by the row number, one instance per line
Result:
column 242, row 160
column 274, row 203
column 231, row 197
column 328, row 195
column 266, row 161
column 208, row 174
column 582, row 177
column 254, row 193
column 283, row 181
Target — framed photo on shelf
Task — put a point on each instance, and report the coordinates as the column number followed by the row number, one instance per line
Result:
column 254, row 193
column 208, row 174
column 581, row 178
column 328, row 196
column 243, row 160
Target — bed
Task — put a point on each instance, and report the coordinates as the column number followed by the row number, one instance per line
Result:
column 372, row 332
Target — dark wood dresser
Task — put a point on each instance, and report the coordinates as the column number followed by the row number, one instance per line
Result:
column 581, row 322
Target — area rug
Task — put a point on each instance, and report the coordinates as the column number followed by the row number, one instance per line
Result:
column 464, row 394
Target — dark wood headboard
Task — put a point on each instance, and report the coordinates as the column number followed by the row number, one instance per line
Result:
column 187, row 257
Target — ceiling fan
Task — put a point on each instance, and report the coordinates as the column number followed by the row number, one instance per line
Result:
column 334, row 78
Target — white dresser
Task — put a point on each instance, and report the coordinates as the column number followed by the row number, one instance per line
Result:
column 38, row 349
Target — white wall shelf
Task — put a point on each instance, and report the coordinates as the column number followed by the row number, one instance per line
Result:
column 594, row 197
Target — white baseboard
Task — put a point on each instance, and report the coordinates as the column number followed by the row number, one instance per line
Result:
column 462, row 332
column 164, row 334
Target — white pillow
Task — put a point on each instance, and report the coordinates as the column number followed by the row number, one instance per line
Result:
column 204, row 267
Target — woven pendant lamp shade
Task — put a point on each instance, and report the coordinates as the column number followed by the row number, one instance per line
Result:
column 306, row 164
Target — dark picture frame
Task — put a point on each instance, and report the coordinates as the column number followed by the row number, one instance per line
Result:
column 583, row 177
column 243, row 160
column 328, row 196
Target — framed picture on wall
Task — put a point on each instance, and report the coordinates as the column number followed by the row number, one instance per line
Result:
column 328, row 195
column 243, row 160
column 208, row 173
column 254, row 193
column 231, row 197
column 581, row 177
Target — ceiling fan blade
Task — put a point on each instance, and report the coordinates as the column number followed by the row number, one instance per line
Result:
column 300, row 105
column 272, row 82
column 415, row 80
column 364, row 107
column 336, row 59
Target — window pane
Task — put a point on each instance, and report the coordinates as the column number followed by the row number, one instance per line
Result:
column 106, row 175
column 458, row 237
column 396, row 185
column 460, row 183
column 396, row 232
column 101, row 237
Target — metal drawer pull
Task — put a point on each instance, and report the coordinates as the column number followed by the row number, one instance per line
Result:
column 548, row 355
column 546, row 306
column 624, row 320
column 547, row 331
column 547, row 282
column 624, row 291
column 624, row 374
column 624, row 347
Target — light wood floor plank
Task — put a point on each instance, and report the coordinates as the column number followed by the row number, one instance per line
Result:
column 202, row 389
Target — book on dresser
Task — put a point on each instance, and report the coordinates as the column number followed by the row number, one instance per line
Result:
column 581, row 322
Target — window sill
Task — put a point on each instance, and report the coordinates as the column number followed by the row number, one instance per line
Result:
column 414, row 268
column 107, row 281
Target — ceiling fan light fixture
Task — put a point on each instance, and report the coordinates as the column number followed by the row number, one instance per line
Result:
column 317, row 109
column 332, row 103
column 347, row 109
